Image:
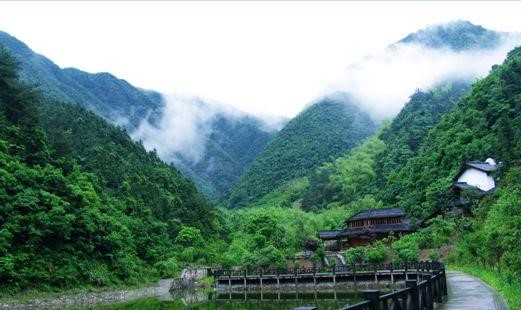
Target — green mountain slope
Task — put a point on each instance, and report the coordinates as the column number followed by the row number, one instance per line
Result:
column 485, row 124
column 112, row 98
column 324, row 130
column 232, row 144
column 81, row 203
column 125, row 105
column 362, row 172
column 409, row 128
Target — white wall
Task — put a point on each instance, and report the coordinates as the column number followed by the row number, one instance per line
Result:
column 477, row 178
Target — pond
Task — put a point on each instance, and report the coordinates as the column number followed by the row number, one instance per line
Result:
column 245, row 300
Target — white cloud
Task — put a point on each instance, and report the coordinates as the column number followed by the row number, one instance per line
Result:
column 382, row 83
column 186, row 124
column 261, row 57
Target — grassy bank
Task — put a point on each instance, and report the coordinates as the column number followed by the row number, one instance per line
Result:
column 511, row 290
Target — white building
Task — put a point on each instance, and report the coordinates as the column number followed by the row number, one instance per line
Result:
column 476, row 174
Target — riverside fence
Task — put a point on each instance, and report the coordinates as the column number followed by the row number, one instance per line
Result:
column 425, row 282
column 330, row 276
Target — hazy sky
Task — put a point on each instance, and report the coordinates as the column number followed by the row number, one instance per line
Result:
column 261, row 57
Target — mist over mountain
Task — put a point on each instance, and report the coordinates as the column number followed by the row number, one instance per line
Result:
column 200, row 137
column 378, row 86
column 208, row 142
column 457, row 35
column 382, row 82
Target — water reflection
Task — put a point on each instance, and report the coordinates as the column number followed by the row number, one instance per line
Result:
column 208, row 299
column 256, row 299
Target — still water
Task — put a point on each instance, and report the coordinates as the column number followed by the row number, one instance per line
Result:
column 247, row 300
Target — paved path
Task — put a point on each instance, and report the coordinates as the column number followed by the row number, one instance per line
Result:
column 469, row 292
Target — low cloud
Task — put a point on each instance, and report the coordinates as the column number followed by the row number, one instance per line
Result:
column 185, row 125
column 382, row 83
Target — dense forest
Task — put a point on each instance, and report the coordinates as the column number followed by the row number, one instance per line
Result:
column 323, row 131
column 80, row 202
column 232, row 141
column 410, row 164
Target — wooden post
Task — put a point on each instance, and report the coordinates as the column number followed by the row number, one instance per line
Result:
column 334, row 278
column 374, row 297
column 278, row 278
column 354, row 274
column 376, row 273
column 406, row 275
column 244, row 280
column 437, row 287
column 296, row 275
column 261, row 280
column 444, row 283
column 315, row 276
column 392, row 274
column 229, row 279
column 414, row 295
column 430, row 299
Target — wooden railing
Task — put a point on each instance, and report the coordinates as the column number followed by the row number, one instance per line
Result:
column 415, row 296
column 428, row 288
column 260, row 272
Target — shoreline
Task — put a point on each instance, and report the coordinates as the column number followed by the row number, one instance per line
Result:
column 60, row 300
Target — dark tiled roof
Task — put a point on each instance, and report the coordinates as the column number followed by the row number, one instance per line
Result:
column 483, row 166
column 377, row 213
column 404, row 227
column 463, row 185
column 328, row 234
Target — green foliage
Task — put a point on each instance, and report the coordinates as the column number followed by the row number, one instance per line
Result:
column 285, row 229
column 493, row 240
column 406, row 249
column 232, row 144
column 80, row 203
column 348, row 179
column 355, row 255
column 434, row 256
column 406, row 133
column 485, row 124
column 326, row 129
column 189, row 236
column 168, row 268
column 376, row 253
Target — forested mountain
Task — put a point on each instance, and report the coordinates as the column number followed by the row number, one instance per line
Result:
column 457, row 35
column 80, row 202
column 485, row 124
column 409, row 128
column 103, row 93
column 324, row 130
column 232, row 144
column 220, row 163
column 360, row 174
column 404, row 135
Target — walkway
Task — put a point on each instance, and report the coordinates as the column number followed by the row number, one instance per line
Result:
column 468, row 292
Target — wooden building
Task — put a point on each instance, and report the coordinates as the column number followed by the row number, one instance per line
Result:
column 367, row 226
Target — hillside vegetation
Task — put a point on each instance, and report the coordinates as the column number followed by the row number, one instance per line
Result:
column 80, row 203
column 323, row 131
column 232, row 143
